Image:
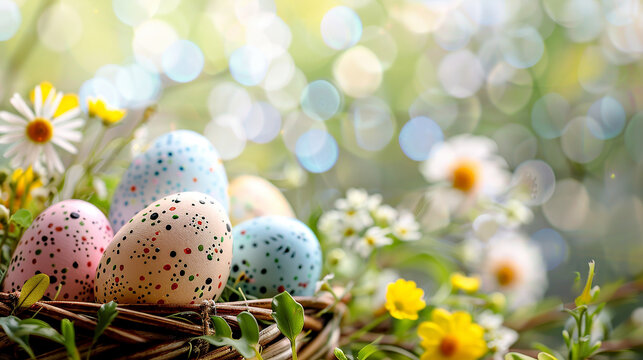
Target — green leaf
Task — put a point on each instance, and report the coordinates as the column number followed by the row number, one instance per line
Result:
column 106, row 314
column 69, row 335
column 249, row 328
column 10, row 324
column 545, row 356
column 240, row 345
column 22, row 218
column 19, row 331
column 221, row 327
column 517, row 356
column 33, row 290
column 288, row 314
column 367, row 351
column 339, row 354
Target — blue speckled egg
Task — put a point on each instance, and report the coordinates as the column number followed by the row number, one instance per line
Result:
column 178, row 161
column 275, row 254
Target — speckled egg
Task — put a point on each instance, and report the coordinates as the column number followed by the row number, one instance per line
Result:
column 178, row 161
column 66, row 242
column 178, row 250
column 274, row 254
column 252, row 196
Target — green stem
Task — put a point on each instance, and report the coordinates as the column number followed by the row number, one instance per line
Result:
column 293, row 348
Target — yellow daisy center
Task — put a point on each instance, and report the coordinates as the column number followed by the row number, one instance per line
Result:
column 39, row 130
column 465, row 175
column 349, row 232
column 448, row 345
column 506, row 274
column 370, row 240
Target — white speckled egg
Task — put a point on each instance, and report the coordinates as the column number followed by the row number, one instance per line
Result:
column 66, row 242
column 178, row 250
column 275, row 254
column 252, row 196
column 178, row 161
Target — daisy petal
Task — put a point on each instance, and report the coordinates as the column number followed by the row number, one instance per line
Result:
column 52, row 103
column 53, row 158
column 11, row 138
column 67, row 115
column 70, row 135
column 64, row 144
column 9, row 128
column 21, row 106
column 12, row 119
column 38, row 101
column 70, row 125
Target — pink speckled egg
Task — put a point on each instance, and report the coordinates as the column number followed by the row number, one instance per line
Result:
column 177, row 250
column 66, row 242
column 252, row 196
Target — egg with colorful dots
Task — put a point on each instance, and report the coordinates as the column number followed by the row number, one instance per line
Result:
column 66, row 242
column 273, row 254
column 252, row 196
column 177, row 250
column 178, row 161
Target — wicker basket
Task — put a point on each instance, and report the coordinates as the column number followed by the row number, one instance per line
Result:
column 146, row 331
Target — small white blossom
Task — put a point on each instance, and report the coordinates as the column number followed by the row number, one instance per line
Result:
column 406, row 228
column 355, row 200
column 374, row 237
column 385, row 215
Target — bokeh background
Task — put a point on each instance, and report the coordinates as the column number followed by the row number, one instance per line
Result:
column 369, row 86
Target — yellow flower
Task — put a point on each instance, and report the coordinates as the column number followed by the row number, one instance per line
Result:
column 451, row 337
column 468, row 284
column 67, row 102
column 23, row 180
column 589, row 294
column 98, row 108
column 404, row 299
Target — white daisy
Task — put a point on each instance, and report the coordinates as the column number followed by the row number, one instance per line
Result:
column 385, row 215
column 374, row 237
column 406, row 228
column 32, row 136
column 514, row 266
column 358, row 199
column 329, row 224
column 499, row 338
column 468, row 165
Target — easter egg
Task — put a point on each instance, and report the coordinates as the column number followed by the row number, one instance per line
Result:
column 178, row 250
column 252, row 196
column 273, row 254
column 178, row 161
column 66, row 242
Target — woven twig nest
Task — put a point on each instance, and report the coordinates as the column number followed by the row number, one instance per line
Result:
column 146, row 332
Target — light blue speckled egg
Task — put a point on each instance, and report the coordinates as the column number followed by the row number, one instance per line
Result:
column 275, row 254
column 178, row 161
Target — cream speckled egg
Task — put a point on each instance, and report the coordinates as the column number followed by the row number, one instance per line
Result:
column 178, row 161
column 177, row 250
column 66, row 242
column 252, row 196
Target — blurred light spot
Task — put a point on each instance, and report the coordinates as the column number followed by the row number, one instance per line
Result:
column 568, row 206
column 341, row 28
column 60, row 27
column 552, row 246
column 138, row 85
column 567, row 13
column 167, row 6
column 595, row 73
column 487, row 12
column 509, row 89
column 533, row 182
column 590, row 27
column 229, row 98
column 621, row 12
column 436, row 105
column 418, row 136
column 248, row 65
column 99, row 88
column 578, row 142
column 461, row 73
column 280, row 72
column 134, row 12
column 151, row 39
column 381, row 43
column 320, row 100
column 358, row 72
column 633, row 136
column 549, row 115
column 287, row 97
column 455, row 31
column 610, row 118
column 248, row 11
column 10, row 19
column 272, row 37
column 262, row 123
column 227, row 136
column 373, row 122
column 418, row 17
column 183, row 61
column 316, row 151
column 295, row 125
column 522, row 47
column 628, row 38
column 515, row 143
